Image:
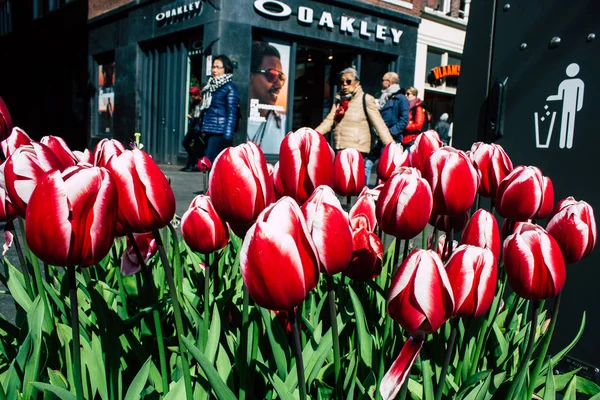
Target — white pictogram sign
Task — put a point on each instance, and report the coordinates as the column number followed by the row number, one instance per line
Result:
column 570, row 92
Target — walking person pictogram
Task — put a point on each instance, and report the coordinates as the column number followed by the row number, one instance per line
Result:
column 570, row 91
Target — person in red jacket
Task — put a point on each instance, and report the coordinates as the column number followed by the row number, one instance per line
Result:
column 416, row 118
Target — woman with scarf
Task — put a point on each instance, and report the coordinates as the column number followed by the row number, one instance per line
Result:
column 220, row 102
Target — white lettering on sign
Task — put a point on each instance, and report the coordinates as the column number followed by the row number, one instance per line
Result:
column 346, row 24
column 306, row 16
column 195, row 6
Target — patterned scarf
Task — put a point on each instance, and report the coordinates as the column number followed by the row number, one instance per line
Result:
column 211, row 86
column 342, row 107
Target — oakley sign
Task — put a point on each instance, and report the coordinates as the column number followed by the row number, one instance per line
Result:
column 306, row 16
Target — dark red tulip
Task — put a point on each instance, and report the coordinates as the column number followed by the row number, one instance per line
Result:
column 404, row 204
column 365, row 204
column 367, row 251
column 72, row 216
column 534, row 263
column 573, row 225
column 6, row 124
column 24, row 168
column 548, row 199
column 453, row 180
column 305, row 163
column 146, row 200
column 204, row 164
column 146, row 244
column 7, row 211
column 202, row 227
column 521, row 194
column 349, row 173
column 392, row 157
column 60, row 149
column 328, row 223
column 493, row 164
column 420, row 297
column 446, row 222
column 278, row 259
column 240, row 186
column 16, row 139
column 473, row 273
column 107, row 149
column 482, row 231
column 425, row 145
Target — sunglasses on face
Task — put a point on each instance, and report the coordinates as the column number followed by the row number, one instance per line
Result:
column 347, row 82
column 272, row 75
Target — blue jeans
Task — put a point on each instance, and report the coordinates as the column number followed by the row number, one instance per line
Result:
column 214, row 145
column 368, row 167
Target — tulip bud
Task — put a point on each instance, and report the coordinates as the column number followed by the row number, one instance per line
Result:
column 548, row 199
column 204, row 164
column 240, row 186
column 392, row 157
column 404, row 205
column 146, row 200
column 349, row 173
column 453, row 181
column 482, row 231
column 573, row 225
column 521, row 194
column 17, row 138
column 329, row 228
column 84, row 157
column 105, row 150
column 202, row 228
column 60, row 149
column 146, row 244
column 365, row 204
column 74, row 215
column 425, row 145
column 367, row 251
column 416, row 309
column 278, row 260
column 7, row 211
column 6, row 125
column 472, row 272
column 534, row 263
column 493, row 163
column 305, row 162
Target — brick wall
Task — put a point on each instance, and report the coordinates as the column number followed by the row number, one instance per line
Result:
column 98, row 7
column 416, row 10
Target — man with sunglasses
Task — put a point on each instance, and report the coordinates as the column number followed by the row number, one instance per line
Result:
column 266, row 124
column 352, row 116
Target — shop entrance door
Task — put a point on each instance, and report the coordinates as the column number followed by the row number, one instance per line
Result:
column 163, row 100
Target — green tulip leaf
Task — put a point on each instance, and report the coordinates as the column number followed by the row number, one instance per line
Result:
column 139, row 382
column 549, row 391
column 177, row 391
column 472, row 380
column 570, row 393
column 16, row 286
column 216, row 383
column 61, row 393
column 278, row 384
column 559, row 356
column 587, row 387
column 35, row 320
column 364, row 337
column 277, row 341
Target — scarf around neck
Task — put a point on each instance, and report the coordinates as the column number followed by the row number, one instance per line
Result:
column 211, row 86
column 386, row 94
column 342, row 102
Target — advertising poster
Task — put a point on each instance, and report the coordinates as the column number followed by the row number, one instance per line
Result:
column 268, row 95
column 106, row 97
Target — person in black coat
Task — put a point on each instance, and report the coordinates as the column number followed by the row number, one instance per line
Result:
column 220, row 102
column 443, row 128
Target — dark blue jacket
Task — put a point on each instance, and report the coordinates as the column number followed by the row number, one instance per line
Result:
column 221, row 116
column 395, row 114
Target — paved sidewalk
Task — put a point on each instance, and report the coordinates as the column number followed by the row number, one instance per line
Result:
column 185, row 185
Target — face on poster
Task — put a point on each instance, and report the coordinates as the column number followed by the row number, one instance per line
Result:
column 270, row 65
column 106, row 96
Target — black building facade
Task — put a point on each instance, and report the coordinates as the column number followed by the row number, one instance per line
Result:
column 145, row 57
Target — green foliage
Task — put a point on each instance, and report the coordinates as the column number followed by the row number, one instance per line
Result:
column 124, row 318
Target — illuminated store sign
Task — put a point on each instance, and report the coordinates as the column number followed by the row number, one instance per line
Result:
column 348, row 25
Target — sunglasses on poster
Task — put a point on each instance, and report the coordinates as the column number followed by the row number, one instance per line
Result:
column 272, row 75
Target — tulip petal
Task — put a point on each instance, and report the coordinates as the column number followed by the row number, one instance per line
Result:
column 394, row 379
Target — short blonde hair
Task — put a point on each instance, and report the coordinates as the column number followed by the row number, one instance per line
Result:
column 412, row 90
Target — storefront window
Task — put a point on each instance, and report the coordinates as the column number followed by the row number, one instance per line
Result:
column 434, row 59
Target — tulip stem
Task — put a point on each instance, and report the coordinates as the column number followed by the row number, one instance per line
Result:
column 424, row 239
column 298, row 349
column 406, row 245
column 123, row 313
column 449, row 351
column 206, row 296
column 348, row 203
column 542, row 355
column 517, row 383
column 185, row 365
column 335, row 335
column 243, row 366
column 75, row 331
column 396, row 255
column 10, row 226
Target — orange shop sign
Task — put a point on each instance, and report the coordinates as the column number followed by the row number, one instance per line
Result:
column 446, row 70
